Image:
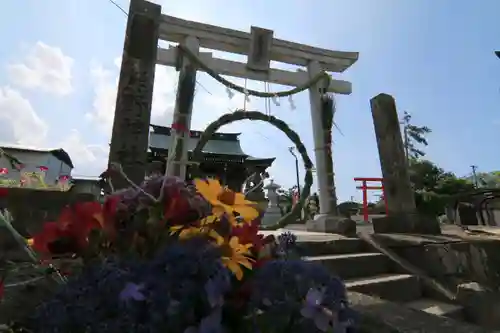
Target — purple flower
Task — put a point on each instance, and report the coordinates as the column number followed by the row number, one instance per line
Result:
column 216, row 286
column 313, row 310
column 132, row 291
column 209, row 324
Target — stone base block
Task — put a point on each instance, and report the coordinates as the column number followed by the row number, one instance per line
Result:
column 410, row 223
column 271, row 216
column 481, row 306
column 332, row 224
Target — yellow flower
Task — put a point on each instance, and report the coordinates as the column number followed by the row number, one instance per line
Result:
column 224, row 200
column 204, row 228
column 235, row 255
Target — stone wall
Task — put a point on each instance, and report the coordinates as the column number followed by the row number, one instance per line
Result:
column 451, row 262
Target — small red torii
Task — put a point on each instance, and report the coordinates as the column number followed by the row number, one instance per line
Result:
column 365, row 188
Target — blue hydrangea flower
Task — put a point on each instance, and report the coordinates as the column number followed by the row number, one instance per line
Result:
column 132, row 291
column 287, row 243
column 183, row 286
column 314, row 310
column 282, row 289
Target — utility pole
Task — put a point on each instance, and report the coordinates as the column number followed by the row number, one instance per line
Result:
column 474, row 175
column 290, row 149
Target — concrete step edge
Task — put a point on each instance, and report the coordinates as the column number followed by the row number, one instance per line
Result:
column 344, row 256
column 434, row 307
column 385, row 278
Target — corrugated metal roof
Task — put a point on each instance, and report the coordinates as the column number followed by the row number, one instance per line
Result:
column 59, row 153
column 159, row 141
column 29, row 148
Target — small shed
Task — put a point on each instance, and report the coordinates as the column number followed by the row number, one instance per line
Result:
column 16, row 160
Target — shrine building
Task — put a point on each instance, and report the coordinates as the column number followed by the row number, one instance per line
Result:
column 223, row 157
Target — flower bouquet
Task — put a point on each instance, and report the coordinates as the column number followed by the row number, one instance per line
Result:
column 170, row 256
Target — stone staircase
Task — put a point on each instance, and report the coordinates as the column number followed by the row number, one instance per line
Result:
column 366, row 271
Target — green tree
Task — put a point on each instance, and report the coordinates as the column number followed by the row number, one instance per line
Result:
column 434, row 187
column 285, row 197
column 414, row 136
column 487, row 179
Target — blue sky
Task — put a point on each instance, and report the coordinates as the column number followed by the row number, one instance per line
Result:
column 58, row 72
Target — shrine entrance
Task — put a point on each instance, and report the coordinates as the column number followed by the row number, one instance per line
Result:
column 146, row 25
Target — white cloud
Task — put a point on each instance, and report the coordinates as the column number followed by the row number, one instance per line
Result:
column 46, row 68
column 89, row 160
column 19, row 122
column 106, row 83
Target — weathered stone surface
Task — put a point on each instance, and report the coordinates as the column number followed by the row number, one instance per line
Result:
column 406, row 223
column 450, row 260
column 379, row 316
column 396, row 179
column 481, row 306
column 332, row 224
column 130, row 135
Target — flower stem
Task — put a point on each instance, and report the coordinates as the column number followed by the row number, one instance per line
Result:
column 6, row 220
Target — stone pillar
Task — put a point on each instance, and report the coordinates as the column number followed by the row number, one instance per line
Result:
column 177, row 161
column 328, row 219
column 402, row 213
column 130, row 135
column 324, row 188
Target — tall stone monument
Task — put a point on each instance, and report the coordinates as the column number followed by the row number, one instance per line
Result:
column 129, row 139
column 402, row 212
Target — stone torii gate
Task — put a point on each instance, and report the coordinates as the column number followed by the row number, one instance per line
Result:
column 146, row 25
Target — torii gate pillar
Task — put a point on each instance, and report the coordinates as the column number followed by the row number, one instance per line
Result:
column 328, row 219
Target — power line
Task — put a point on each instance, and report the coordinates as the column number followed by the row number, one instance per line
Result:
column 119, row 7
column 126, row 14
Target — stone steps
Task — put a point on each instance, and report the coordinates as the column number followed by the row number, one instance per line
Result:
column 372, row 273
column 353, row 265
column 340, row 246
column 437, row 308
column 392, row 287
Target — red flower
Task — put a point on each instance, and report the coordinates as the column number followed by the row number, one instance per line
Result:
column 63, row 178
column 249, row 234
column 176, row 206
column 3, row 192
column 70, row 233
column 4, row 171
column 43, row 168
column 109, row 210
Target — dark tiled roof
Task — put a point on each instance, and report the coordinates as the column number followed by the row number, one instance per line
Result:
column 222, row 147
column 222, row 144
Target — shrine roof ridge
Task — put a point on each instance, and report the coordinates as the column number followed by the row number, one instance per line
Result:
column 159, row 142
column 165, row 130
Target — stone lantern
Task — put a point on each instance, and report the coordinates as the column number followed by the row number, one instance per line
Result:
column 273, row 212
